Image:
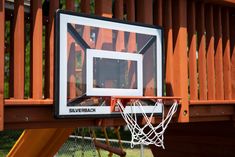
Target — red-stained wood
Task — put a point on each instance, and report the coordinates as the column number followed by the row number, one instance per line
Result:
column 11, row 66
column 201, row 51
column 168, row 32
column 144, row 14
column 180, row 56
column 219, row 83
column 85, row 6
column 28, row 102
column 210, row 43
column 103, row 8
column 144, row 11
column 118, row 13
column 19, row 49
column 157, row 12
column 36, row 49
column 49, row 61
column 232, row 38
column 226, row 53
column 2, row 56
column 130, row 5
column 70, row 5
column 192, row 50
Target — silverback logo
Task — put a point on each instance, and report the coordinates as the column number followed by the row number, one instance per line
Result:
column 82, row 110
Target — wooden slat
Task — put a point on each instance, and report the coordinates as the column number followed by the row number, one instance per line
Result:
column 49, row 71
column 157, row 12
column 219, row 83
column 167, row 23
column 36, row 49
column 232, row 38
column 2, row 54
column 11, row 66
column 19, row 49
column 210, row 42
column 180, row 56
column 201, row 51
column 103, row 8
column 144, row 14
column 118, row 13
column 192, row 50
column 130, row 10
column 70, row 5
column 85, row 6
column 226, row 53
column 212, row 102
column 28, row 102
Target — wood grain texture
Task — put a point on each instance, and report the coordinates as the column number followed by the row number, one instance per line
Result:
column 168, row 33
column 180, row 56
column 201, row 51
column 219, row 80
column 19, row 49
column 36, row 49
column 191, row 21
column 226, row 55
column 49, row 61
column 210, row 45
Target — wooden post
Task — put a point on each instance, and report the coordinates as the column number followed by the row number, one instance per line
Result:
column 19, row 49
column 85, row 6
column 2, row 56
column 169, row 47
column 70, row 5
column 145, row 15
column 210, row 44
column 192, row 50
column 226, row 57
column 201, row 51
column 49, row 71
column 219, row 83
column 180, row 57
column 157, row 12
column 232, row 38
column 130, row 4
column 36, row 49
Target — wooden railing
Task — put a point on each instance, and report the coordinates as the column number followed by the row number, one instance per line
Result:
column 199, row 48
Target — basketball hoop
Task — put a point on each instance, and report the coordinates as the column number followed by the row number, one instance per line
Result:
column 148, row 133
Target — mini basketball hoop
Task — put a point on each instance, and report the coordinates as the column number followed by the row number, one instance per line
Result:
column 148, row 133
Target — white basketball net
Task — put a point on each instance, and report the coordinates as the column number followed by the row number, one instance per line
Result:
column 155, row 134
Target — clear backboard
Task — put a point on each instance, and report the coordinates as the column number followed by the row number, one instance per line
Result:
column 98, row 58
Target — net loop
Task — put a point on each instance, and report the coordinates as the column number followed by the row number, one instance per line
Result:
column 146, row 134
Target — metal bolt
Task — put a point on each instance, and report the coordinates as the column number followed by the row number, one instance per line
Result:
column 26, row 119
column 185, row 112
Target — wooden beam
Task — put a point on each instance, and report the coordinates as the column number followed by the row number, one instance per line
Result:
column 46, row 142
column 36, row 49
column 70, row 5
column 180, row 56
column 49, row 60
column 19, row 49
column 219, row 83
column 201, row 51
column 226, row 55
column 168, row 29
column 210, row 45
column 2, row 58
column 232, row 39
column 191, row 21
column 85, row 6
column 130, row 4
